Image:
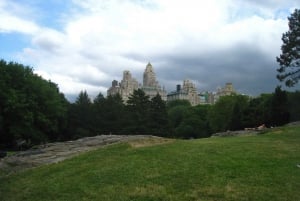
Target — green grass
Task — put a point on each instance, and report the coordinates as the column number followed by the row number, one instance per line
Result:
column 262, row 167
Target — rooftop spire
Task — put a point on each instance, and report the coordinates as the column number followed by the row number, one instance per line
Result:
column 149, row 64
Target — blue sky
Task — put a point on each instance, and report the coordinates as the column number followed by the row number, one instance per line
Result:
column 85, row 44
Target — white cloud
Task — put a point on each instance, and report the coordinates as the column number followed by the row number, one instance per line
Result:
column 12, row 18
column 10, row 23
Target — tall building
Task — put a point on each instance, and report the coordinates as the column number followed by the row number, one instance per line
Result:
column 126, row 87
column 224, row 91
column 128, row 84
column 188, row 92
column 150, row 86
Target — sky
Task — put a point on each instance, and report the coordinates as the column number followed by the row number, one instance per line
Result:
column 86, row 44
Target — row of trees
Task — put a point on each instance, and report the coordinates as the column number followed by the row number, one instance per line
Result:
column 33, row 111
column 111, row 116
column 178, row 118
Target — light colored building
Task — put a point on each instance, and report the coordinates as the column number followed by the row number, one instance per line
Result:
column 114, row 89
column 128, row 84
column 151, row 86
column 188, row 92
column 126, row 87
column 224, row 91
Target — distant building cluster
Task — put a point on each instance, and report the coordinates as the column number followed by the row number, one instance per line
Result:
column 128, row 84
column 151, row 87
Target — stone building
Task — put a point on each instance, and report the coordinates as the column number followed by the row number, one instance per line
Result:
column 128, row 84
column 150, row 86
column 206, row 97
column 126, row 87
column 188, row 92
column 224, row 91
column 114, row 89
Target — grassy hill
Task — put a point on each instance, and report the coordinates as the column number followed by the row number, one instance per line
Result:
column 259, row 167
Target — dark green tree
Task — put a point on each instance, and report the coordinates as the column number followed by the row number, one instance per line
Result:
column 31, row 109
column 289, row 60
column 258, row 111
column 175, row 103
column 98, row 110
column 279, row 107
column 80, row 117
column 113, row 115
column 83, row 99
column 228, row 112
column 294, row 105
column 195, row 123
column 138, row 108
column 240, row 105
column 158, row 119
column 176, row 116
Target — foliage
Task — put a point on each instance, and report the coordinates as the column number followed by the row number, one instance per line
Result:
column 187, row 121
column 109, row 115
column 228, row 113
column 258, row 111
column 289, row 60
column 262, row 167
column 293, row 105
column 181, row 120
column 146, row 116
column 32, row 110
column 175, row 103
column 138, row 106
column 279, row 108
column 80, row 117
column 158, row 117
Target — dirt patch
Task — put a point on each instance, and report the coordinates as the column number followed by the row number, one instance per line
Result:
column 149, row 142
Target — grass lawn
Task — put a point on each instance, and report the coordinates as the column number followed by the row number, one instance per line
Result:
column 262, row 167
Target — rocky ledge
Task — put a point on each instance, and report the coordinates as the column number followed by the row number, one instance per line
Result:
column 59, row 151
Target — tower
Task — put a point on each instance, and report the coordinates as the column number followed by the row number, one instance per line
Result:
column 150, row 85
column 149, row 77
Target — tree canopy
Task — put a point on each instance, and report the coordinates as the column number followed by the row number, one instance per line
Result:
column 32, row 110
column 289, row 59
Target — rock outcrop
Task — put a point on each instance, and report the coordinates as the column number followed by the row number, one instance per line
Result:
column 59, row 151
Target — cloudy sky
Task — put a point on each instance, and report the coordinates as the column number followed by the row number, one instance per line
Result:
column 85, row 44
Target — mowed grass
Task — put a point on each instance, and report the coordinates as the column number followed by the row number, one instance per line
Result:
column 261, row 167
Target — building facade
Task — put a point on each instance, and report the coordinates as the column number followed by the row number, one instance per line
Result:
column 151, row 86
column 188, row 91
column 125, row 88
column 227, row 90
column 128, row 84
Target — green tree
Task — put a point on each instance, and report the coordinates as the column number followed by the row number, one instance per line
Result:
column 175, row 103
column 176, row 116
column 138, row 108
column 98, row 109
column 194, row 123
column 228, row 112
column 289, row 60
column 113, row 113
column 294, row 105
column 83, row 99
column 80, row 117
column 158, row 119
column 31, row 108
column 279, row 107
column 258, row 111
